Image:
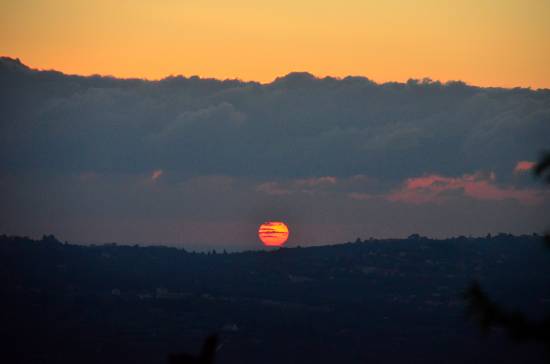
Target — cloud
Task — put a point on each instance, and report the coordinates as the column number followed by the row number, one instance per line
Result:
column 298, row 126
column 436, row 189
column 304, row 185
column 273, row 188
column 324, row 151
column 156, row 174
column 523, row 166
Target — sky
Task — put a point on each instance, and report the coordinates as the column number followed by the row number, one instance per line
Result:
column 485, row 43
column 344, row 120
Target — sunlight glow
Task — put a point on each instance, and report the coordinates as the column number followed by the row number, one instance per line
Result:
column 273, row 233
column 482, row 42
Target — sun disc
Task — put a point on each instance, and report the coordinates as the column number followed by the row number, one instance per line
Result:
column 273, row 233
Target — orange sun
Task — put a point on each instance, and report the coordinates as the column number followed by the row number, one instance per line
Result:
column 273, row 233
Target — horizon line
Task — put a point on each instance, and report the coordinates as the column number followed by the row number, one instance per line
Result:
column 242, row 249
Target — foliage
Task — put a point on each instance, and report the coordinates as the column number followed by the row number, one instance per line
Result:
column 489, row 314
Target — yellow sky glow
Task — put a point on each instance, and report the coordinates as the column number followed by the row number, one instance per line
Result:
column 487, row 43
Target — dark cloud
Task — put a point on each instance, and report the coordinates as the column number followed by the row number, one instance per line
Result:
column 79, row 148
column 296, row 126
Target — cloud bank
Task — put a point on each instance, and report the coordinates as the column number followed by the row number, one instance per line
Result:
column 100, row 158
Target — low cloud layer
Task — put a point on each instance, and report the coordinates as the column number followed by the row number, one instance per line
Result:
column 99, row 158
column 437, row 189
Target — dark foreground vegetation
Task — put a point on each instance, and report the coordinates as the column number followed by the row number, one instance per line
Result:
column 375, row 301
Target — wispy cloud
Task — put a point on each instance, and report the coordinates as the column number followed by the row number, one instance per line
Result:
column 156, row 174
column 523, row 166
column 437, row 189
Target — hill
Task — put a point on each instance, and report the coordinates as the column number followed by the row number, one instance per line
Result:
column 376, row 301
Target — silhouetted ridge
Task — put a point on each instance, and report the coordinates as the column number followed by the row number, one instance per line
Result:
column 347, row 303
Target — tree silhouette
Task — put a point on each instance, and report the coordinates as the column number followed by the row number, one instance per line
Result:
column 542, row 170
column 489, row 314
column 206, row 356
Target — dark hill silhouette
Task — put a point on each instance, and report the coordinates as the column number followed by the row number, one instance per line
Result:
column 388, row 301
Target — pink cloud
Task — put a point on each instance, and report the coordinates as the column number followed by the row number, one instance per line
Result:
column 156, row 174
column 437, row 189
column 523, row 166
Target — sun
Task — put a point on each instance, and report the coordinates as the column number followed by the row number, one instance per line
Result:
column 273, row 233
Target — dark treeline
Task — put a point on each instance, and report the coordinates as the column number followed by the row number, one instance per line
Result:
column 378, row 301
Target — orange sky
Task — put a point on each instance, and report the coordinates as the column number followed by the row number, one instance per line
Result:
column 487, row 43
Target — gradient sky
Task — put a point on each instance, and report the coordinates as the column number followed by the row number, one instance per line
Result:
column 202, row 162
column 487, row 43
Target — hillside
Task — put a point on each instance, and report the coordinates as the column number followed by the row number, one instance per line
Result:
column 385, row 301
